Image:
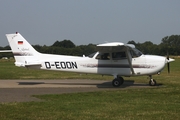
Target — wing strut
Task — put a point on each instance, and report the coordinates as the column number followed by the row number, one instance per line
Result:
column 129, row 60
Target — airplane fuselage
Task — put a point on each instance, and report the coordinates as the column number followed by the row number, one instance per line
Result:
column 143, row 65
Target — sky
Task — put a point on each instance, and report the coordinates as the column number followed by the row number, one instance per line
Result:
column 42, row 22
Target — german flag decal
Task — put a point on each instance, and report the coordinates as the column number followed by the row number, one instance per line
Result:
column 20, row 42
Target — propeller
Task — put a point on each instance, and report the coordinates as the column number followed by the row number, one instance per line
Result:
column 168, row 60
column 168, row 64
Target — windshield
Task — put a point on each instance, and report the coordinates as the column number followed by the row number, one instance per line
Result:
column 92, row 55
column 135, row 52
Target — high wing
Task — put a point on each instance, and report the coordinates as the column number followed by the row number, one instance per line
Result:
column 5, row 51
column 116, row 47
column 115, row 44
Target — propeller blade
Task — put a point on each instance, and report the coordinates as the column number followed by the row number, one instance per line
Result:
column 167, row 55
column 168, row 65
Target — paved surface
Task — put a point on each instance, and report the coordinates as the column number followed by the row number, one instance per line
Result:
column 22, row 90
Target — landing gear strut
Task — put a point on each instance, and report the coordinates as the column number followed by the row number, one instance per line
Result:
column 152, row 82
column 117, row 81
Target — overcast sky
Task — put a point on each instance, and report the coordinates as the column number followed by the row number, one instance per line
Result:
column 89, row 21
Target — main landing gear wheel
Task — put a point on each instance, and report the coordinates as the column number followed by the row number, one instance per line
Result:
column 152, row 82
column 117, row 81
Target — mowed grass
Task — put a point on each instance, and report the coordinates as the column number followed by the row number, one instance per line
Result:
column 161, row 103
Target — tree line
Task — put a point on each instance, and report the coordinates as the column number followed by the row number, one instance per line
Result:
column 169, row 44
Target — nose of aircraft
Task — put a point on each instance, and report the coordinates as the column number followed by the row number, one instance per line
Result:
column 168, row 60
column 159, row 62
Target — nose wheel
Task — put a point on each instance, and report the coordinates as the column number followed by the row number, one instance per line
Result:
column 152, row 82
column 117, row 81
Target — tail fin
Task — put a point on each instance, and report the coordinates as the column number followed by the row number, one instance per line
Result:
column 23, row 52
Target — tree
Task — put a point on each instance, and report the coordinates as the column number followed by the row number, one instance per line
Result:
column 132, row 42
column 171, row 44
column 64, row 43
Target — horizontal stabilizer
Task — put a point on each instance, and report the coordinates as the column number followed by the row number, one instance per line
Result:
column 29, row 65
column 33, row 66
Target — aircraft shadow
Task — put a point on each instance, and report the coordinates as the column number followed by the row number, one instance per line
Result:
column 127, row 83
column 30, row 83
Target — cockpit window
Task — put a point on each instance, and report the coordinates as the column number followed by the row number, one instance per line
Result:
column 103, row 56
column 135, row 52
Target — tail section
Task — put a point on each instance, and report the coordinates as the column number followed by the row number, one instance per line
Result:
column 24, row 53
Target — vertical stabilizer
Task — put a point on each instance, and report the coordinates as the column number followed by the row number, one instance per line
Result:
column 24, row 53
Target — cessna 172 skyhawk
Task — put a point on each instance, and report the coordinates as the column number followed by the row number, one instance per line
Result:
column 116, row 59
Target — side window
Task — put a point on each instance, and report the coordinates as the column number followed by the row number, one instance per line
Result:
column 103, row 56
column 118, row 55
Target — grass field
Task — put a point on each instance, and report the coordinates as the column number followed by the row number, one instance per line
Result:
column 161, row 103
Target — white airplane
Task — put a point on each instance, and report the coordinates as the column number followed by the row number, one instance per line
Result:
column 116, row 59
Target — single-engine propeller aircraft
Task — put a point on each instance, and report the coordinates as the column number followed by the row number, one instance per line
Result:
column 115, row 58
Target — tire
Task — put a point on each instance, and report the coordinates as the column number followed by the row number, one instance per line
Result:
column 121, row 80
column 152, row 82
column 117, row 82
